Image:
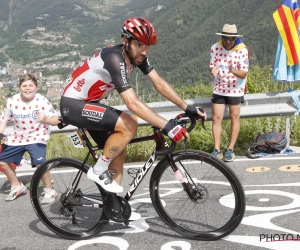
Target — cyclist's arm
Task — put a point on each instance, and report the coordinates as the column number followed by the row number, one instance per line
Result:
column 166, row 90
column 138, row 107
column 115, row 65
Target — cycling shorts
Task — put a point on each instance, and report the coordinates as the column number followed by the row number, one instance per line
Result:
column 98, row 119
column 14, row 154
column 229, row 100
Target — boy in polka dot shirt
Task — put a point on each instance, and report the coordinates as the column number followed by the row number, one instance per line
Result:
column 229, row 62
column 32, row 114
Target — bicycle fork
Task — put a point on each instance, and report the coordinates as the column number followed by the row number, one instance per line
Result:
column 185, row 179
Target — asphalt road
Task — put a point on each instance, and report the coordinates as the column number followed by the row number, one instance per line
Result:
column 271, row 221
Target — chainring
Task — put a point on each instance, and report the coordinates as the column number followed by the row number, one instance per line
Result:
column 117, row 212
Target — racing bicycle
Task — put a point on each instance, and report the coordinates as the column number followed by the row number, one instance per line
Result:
column 193, row 192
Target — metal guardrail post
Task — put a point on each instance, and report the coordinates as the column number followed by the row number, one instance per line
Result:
column 288, row 131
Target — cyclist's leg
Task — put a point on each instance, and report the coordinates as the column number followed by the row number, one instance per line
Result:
column 124, row 131
column 102, row 118
column 117, row 164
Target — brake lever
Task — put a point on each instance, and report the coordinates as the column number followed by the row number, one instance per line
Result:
column 201, row 109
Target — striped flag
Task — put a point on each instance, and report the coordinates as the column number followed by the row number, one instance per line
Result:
column 287, row 19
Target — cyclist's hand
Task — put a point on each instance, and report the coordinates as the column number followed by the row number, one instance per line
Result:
column 175, row 132
column 197, row 112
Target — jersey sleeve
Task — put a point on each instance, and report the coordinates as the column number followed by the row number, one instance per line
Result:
column 146, row 67
column 213, row 59
column 116, row 67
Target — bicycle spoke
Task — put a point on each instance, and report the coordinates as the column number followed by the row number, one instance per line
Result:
column 76, row 213
column 194, row 209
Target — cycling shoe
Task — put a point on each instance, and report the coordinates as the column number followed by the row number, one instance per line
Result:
column 105, row 181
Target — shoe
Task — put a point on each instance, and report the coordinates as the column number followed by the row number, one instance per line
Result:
column 15, row 191
column 217, row 153
column 105, row 181
column 134, row 216
column 229, row 155
column 49, row 195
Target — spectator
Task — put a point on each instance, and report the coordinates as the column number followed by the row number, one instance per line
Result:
column 32, row 114
column 229, row 65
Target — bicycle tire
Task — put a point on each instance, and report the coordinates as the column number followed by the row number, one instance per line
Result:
column 221, row 208
column 58, row 218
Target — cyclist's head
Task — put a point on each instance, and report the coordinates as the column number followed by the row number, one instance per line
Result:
column 139, row 29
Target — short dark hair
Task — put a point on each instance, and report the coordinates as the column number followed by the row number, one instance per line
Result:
column 27, row 77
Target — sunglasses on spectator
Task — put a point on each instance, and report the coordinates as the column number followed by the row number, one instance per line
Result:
column 231, row 39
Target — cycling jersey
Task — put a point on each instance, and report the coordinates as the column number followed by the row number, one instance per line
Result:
column 98, row 76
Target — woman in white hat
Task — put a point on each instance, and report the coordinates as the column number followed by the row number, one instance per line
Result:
column 229, row 63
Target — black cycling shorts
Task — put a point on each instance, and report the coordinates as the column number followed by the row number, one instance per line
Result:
column 98, row 119
column 229, row 100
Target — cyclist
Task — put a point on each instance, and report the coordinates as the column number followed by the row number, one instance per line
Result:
column 96, row 78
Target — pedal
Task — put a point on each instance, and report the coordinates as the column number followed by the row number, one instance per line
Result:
column 133, row 172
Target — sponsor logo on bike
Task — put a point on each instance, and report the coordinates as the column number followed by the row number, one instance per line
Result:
column 92, row 111
column 142, row 173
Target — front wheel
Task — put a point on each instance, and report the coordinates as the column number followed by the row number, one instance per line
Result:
column 202, row 200
column 77, row 212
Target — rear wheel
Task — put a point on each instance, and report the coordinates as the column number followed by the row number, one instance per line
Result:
column 204, row 200
column 77, row 212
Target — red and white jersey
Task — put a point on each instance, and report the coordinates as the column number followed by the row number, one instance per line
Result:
column 27, row 129
column 98, row 76
column 226, row 83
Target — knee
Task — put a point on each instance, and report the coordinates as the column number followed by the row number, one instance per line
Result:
column 217, row 119
column 132, row 125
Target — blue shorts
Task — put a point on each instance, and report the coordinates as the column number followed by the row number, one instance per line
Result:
column 14, row 154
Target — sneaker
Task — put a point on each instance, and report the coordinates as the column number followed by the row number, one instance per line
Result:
column 105, row 181
column 49, row 195
column 217, row 153
column 229, row 155
column 15, row 191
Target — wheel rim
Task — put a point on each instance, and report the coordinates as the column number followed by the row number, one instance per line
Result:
column 65, row 216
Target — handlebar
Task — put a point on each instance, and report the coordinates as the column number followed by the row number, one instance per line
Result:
column 183, row 119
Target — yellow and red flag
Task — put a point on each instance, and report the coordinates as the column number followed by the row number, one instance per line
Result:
column 287, row 19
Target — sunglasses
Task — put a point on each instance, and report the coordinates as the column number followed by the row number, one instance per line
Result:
column 231, row 39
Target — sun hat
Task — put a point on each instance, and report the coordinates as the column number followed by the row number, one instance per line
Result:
column 229, row 30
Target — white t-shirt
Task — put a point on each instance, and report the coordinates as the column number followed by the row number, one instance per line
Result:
column 27, row 129
column 226, row 83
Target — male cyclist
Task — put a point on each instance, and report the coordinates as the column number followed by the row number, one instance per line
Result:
column 113, row 129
